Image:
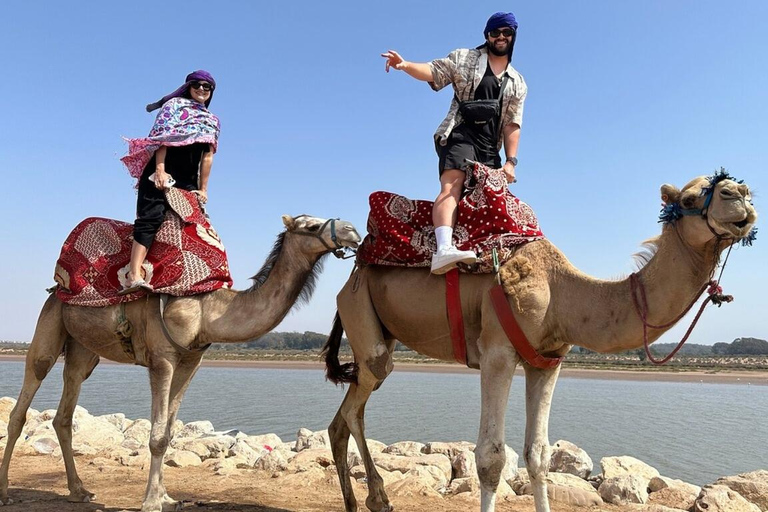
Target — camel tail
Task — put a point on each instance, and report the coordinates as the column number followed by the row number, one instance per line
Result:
column 335, row 371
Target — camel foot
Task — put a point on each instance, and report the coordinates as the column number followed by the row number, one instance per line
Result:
column 379, row 505
column 80, row 496
column 6, row 501
column 171, row 505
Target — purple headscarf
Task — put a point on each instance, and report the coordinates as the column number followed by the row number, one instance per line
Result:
column 195, row 76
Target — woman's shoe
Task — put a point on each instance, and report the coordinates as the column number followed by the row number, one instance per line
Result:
column 136, row 286
column 447, row 257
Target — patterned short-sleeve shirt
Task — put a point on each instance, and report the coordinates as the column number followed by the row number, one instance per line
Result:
column 464, row 68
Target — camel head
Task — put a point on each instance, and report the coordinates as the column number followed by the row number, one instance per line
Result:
column 710, row 206
column 330, row 234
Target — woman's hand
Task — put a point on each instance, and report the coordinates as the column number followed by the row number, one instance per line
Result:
column 394, row 60
column 509, row 171
column 161, row 179
column 202, row 195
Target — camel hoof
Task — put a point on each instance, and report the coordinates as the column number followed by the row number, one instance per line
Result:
column 6, row 501
column 81, row 497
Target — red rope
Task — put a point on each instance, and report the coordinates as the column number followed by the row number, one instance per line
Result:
column 641, row 306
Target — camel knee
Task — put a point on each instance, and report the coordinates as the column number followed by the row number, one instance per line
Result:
column 62, row 423
column 537, row 458
column 43, row 365
column 380, row 365
column 490, row 459
column 158, row 442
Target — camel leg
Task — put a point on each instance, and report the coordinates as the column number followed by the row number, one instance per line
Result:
column 182, row 376
column 161, row 373
column 539, row 387
column 79, row 362
column 497, row 367
column 45, row 348
column 339, row 432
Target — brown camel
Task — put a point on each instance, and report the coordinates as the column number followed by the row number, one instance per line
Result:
column 556, row 306
column 84, row 334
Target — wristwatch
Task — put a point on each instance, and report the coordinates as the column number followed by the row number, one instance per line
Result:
column 512, row 159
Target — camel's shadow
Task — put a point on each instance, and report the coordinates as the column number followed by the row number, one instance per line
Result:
column 34, row 500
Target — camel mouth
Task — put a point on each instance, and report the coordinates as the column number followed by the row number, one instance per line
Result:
column 741, row 224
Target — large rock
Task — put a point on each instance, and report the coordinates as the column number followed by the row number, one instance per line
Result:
column 3, row 429
column 272, row 462
column 182, row 459
column 258, row 443
column 651, row 507
column 519, row 481
column 624, row 489
column 719, row 498
column 449, row 449
column 117, row 419
column 620, row 466
column 569, row 480
column 569, row 458
column 658, row 483
column 405, row 448
column 243, row 450
column 404, row 464
column 410, row 487
column 308, row 440
column 6, row 406
column 196, row 429
column 752, row 486
column 138, row 431
column 309, row 459
column 464, row 465
column 510, row 466
column 429, row 474
column 672, row 493
column 42, row 445
column 205, row 447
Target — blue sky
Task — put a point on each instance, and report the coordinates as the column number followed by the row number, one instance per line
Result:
column 623, row 96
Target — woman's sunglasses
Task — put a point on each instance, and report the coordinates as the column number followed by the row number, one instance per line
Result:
column 201, row 85
column 506, row 32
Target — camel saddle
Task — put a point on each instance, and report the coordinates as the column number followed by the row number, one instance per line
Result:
column 186, row 257
column 401, row 233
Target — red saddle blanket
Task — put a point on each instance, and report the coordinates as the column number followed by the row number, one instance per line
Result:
column 400, row 230
column 186, row 258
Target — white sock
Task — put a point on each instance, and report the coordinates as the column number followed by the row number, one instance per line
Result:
column 444, row 235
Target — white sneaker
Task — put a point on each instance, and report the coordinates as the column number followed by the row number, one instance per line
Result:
column 447, row 257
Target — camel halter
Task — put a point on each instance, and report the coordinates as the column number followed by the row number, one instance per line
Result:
column 712, row 287
column 337, row 249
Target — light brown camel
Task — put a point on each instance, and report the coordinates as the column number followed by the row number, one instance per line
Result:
column 556, row 306
column 84, row 334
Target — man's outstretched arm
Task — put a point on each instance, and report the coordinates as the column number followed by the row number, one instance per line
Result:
column 418, row 70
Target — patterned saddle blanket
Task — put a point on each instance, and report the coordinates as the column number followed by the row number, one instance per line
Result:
column 400, row 230
column 186, row 258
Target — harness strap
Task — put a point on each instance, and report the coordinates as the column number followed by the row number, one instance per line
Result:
column 515, row 334
column 455, row 316
column 164, row 297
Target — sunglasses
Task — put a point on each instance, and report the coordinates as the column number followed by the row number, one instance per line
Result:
column 201, row 85
column 506, row 32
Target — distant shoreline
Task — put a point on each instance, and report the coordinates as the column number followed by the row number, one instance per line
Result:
column 754, row 378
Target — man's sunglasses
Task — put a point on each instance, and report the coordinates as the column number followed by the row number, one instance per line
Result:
column 506, row 32
column 201, row 85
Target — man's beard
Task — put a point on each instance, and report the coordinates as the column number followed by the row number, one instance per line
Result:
column 499, row 52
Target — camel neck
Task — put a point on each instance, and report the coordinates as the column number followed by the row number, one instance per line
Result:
column 247, row 315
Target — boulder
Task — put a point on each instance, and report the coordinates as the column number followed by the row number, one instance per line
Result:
column 569, row 480
column 405, row 448
column 573, row 496
column 520, row 479
column 674, row 497
column 464, row 465
column 311, row 458
column 6, row 406
column 719, row 498
column 620, row 466
column 652, row 507
column 462, row 485
column 3, row 429
column 510, row 466
column 449, row 449
column 243, row 450
column 42, row 445
column 196, row 429
column 431, row 474
column 658, row 483
column 205, row 447
column 752, row 486
column 410, row 487
column 569, row 458
column 624, row 489
column 316, row 478
column 307, row 440
column 182, row 459
column 133, row 444
column 139, row 431
column 263, row 441
column 117, row 419
column 272, row 461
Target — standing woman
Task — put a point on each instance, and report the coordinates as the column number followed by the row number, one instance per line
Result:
column 178, row 152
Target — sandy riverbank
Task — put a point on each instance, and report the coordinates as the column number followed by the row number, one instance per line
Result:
column 754, row 378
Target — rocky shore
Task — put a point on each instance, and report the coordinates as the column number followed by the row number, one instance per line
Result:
column 443, row 473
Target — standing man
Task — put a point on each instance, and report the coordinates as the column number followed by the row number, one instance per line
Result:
column 486, row 111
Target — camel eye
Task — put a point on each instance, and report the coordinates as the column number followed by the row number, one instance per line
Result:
column 688, row 202
column 313, row 227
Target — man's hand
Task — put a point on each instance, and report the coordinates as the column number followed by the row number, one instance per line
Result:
column 509, row 170
column 394, row 60
column 202, row 195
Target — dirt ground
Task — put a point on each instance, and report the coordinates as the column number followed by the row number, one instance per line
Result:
column 38, row 484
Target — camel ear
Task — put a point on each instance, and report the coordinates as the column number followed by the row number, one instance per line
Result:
column 289, row 222
column 670, row 194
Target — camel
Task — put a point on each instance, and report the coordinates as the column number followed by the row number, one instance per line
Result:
column 555, row 305
column 85, row 334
